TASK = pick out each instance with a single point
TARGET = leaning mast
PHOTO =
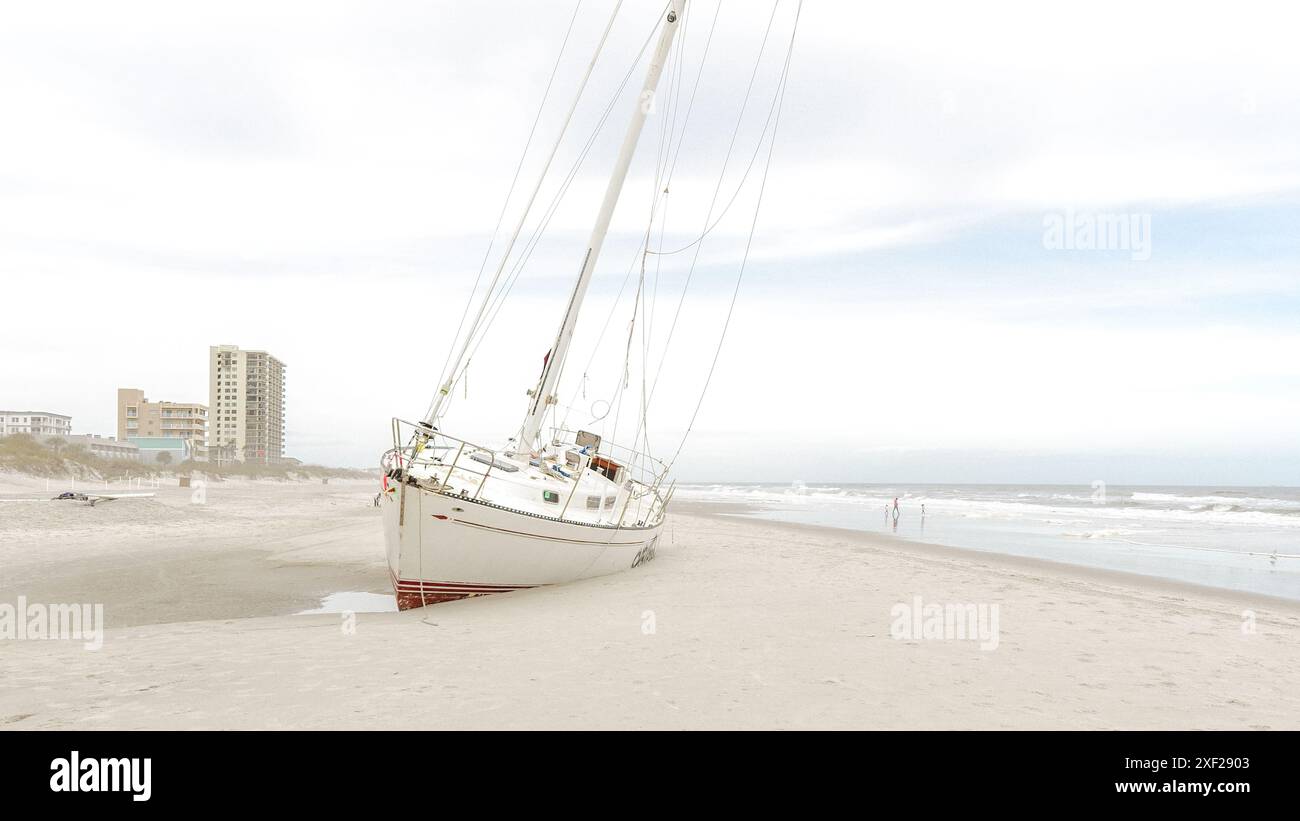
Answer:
(543, 395)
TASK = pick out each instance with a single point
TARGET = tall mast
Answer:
(543, 396)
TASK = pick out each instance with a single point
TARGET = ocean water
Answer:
(1239, 538)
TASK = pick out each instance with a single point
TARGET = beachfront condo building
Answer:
(37, 423)
(246, 393)
(139, 418)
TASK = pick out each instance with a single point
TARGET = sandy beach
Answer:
(736, 624)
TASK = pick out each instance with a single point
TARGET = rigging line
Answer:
(662, 168)
(665, 122)
(639, 254)
(660, 191)
(758, 147)
(620, 391)
(445, 388)
(531, 245)
(642, 430)
(469, 301)
(663, 155)
(535, 237)
(666, 130)
(609, 318)
(604, 328)
(767, 167)
(553, 206)
(550, 413)
(665, 140)
(500, 302)
(631, 329)
(668, 182)
(672, 169)
(690, 273)
(661, 177)
(647, 315)
(620, 386)
(499, 299)
(690, 106)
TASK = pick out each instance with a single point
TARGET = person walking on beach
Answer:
(896, 508)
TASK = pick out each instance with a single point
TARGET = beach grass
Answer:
(54, 457)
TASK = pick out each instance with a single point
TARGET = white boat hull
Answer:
(442, 547)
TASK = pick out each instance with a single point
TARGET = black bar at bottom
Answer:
(211, 770)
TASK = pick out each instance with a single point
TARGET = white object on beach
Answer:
(92, 498)
(462, 519)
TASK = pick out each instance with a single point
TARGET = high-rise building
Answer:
(246, 394)
(37, 423)
(138, 418)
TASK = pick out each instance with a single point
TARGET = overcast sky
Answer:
(320, 180)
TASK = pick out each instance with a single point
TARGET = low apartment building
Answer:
(139, 418)
(37, 423)
(105, 447)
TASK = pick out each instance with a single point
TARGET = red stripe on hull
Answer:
(412, 593)
(410, 601)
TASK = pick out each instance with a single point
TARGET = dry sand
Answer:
(736, 624)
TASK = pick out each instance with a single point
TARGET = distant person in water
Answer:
(895, 508)
(922, 511)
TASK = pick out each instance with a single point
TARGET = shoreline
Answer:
(1203, 535)
(740, 511)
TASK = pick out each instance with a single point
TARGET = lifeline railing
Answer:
(425, 446)
(418, 444)
(638, 466)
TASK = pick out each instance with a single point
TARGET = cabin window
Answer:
(593, 502)
(550, 496)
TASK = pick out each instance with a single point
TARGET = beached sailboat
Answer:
(552, 505)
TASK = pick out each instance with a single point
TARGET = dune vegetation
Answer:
(53, 456)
